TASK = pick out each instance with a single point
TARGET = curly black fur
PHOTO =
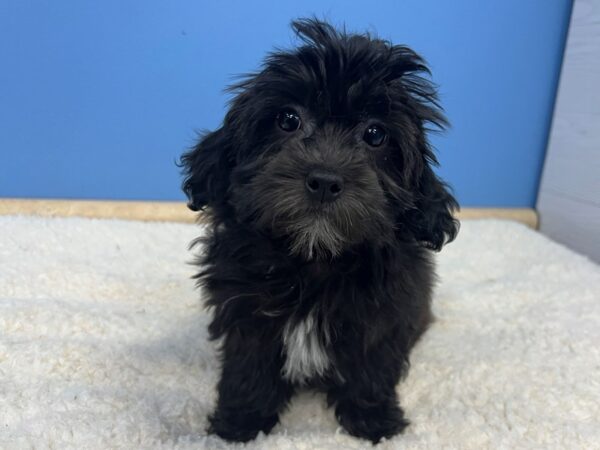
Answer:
(354, 276)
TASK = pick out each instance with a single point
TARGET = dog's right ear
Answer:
(206, 170)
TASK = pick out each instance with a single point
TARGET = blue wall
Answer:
(98, 98)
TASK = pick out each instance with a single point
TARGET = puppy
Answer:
(323, 210)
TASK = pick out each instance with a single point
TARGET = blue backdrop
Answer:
(98, 98)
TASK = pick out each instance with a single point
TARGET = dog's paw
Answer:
(238, 426)
(373, 423)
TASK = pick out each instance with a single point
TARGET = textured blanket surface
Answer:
(103, 344)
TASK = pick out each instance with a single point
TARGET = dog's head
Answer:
(326, 148)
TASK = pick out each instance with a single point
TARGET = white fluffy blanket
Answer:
(103, 345)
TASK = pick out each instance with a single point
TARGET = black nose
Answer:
(324, 185)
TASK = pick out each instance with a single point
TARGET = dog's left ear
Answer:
(432, 220)
(206, 169)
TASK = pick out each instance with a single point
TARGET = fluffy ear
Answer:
(206, 169)
(432, 221)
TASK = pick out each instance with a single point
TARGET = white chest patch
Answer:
(305, 354)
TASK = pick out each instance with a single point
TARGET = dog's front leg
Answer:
(251, 391)
(365, 399)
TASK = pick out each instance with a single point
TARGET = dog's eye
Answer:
(288, 120)
(374, 135)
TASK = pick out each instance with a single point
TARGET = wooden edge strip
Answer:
(178, 212)
(526, 216)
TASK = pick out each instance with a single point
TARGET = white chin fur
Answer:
(316, 238)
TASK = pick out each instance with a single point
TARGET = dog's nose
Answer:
(324, 185)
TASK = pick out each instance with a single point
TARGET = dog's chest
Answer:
(304, 346)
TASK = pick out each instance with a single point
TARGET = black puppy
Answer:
(324, 211)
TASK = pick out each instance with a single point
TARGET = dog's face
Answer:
(326, 148)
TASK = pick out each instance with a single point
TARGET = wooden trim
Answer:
(102, 209)
(178, 212)
(526, 216)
